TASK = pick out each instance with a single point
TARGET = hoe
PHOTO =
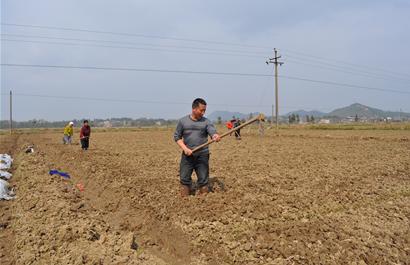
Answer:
(260, 117)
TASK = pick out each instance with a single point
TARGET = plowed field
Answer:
(296, 197)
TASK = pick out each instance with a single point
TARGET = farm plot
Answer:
(296, 197)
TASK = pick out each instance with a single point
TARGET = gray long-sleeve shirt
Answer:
(194, 133)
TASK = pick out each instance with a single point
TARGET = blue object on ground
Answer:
(60, 173)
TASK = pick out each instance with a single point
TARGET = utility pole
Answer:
(11, 112)
(274, 60)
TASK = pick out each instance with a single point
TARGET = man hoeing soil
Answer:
(192, 131)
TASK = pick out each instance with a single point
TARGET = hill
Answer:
(366, 111)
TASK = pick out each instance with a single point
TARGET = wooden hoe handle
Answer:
(260, 117)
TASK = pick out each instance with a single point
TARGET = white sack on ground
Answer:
(5, 175)
(5, 161)
(5, 192)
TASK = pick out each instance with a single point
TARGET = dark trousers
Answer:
(199, 163)
(85, 142)
(238, 133)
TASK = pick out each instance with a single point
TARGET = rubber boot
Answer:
(185, 190)
(203, 190)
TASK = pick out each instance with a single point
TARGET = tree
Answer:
(297, 119)
(219, 120)
(356, 118)
(292, 118)
(250, 115)
(307, 118)
(312, 119)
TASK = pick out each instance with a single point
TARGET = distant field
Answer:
(365, 126)
(349, 126)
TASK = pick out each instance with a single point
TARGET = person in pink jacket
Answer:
(85, 133)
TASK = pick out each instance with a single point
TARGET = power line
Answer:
(145, 101)
(344, 84)
(131, 48)
(342, 70)
(203, 73)
(368, 73)
(334, 67)
(133, 43)
(199, 41)
(239, 54)
(354, 65)
(134, 69)
(131, 35)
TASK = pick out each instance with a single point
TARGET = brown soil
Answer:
(297, 197)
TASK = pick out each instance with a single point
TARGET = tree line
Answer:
(294, 118)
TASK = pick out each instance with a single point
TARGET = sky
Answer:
(335, 53)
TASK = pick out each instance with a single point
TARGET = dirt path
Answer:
(304, 197)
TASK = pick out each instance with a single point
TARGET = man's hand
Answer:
(187, 152)
(185, 149)
(216, 137)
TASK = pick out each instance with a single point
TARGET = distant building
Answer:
(107, 124)
(324, 121)
(348, 119)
